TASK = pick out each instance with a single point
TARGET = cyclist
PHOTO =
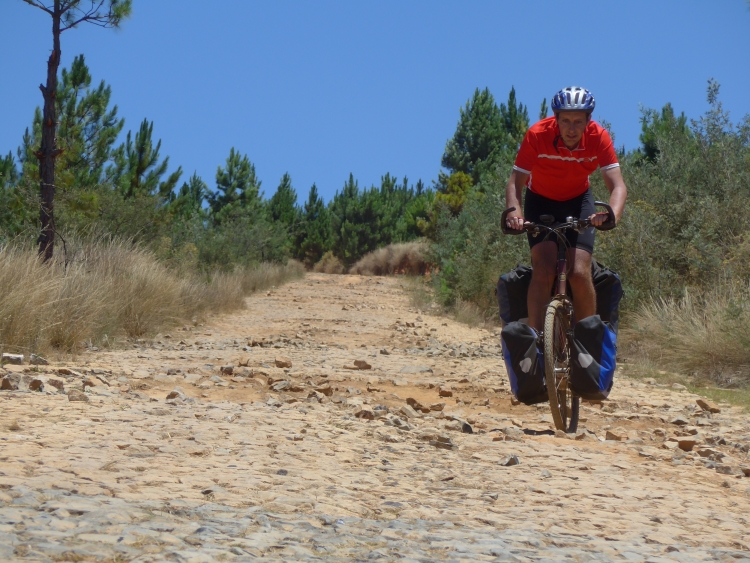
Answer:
(554, 162)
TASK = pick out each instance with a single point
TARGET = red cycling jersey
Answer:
(557, 172)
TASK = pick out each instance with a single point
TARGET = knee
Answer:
(580, 274)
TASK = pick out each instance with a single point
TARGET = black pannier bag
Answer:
(593, 358)
(609, 292)
(511, 292)
(524, 363)
(513, 287)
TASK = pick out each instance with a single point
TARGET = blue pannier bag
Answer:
(593, 358)
(524, 363)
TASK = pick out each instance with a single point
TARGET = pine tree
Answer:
(14, 211)
(65, 14)
(137, 171)
(87, 130)
(515, 118)
(282, 205)
(189, 200)
(655, 125)
(8, 171)
(314, 236)
(237, 186)
(543, 109)
(479, 139)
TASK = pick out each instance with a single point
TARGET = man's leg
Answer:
(581, 284)
(544, 264)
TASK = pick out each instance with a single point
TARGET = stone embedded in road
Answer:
(409, 412)
(36, 384)
(90, 382)
(686, 444)
(513, 433)
(416, 369)
(76, 395)
(445, 392)
(11, 382)
(365, 412)
(412, 402)
(509, 461)
(282, 362)
(56, 383)
(176, 393)
(680, 421)
(443, 442)
(281, 385)
(325, 389)
(617, 435)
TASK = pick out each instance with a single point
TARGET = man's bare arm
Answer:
(513, 194)
(618, 193)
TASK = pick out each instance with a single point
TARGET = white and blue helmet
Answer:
(573, 98)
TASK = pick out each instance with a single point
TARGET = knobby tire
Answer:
(563, 404)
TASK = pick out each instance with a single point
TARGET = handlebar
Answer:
(608, 225)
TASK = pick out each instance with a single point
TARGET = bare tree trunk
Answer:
(48, 152)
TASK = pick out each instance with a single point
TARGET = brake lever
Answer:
(611, 221)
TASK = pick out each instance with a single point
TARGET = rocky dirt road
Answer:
(390, 434)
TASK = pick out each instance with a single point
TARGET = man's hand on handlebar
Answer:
(598, 219)
(515, 221)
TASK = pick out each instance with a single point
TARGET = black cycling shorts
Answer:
(580, 207)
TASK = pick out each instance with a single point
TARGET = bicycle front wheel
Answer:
(563, 404)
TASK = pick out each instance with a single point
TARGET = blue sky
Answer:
(322, 89)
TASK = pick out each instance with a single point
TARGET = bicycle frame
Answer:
(562, 267)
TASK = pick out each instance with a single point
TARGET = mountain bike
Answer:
(559, 316)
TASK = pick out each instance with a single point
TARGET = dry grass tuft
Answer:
(401, 258)
(329, 264)
(707, 337)
(109, 289)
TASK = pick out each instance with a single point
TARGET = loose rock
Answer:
(445, 392)
(75, 395)
(509, 460)
(15, 359)
(707, 405)
(282, 362)
(35, 360)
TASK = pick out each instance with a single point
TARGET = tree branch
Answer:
(92, 16)
(37, 5)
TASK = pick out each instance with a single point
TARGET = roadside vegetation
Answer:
(109, 290)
